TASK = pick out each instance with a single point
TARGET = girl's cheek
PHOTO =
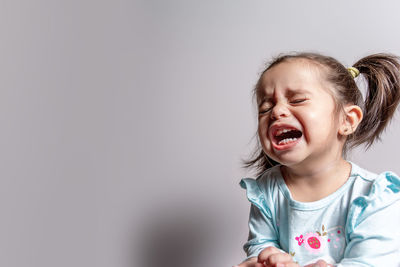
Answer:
(262, 131)
(262, 124)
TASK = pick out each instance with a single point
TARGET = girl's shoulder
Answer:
(264, 183)
(375, 184)
(260, 191)
(373, 193)
(361, 173)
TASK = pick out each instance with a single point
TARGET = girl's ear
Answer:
(351, 119)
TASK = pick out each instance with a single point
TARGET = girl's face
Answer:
(297, 118)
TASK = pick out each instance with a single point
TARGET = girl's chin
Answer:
(287, 159)
(288, 162)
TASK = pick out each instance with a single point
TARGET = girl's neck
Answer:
(307, 185)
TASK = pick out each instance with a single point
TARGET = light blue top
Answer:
(358, 225)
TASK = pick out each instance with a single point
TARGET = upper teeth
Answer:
(281, 131)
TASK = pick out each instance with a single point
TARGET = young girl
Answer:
(309, 206)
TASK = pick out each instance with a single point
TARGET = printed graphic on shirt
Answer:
(316, 243)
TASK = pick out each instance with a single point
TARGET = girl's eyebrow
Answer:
(291, 92)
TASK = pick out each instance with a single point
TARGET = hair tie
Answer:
(353, 71)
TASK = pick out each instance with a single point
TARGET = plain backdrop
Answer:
(123, 123)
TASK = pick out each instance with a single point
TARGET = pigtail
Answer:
(382, 72)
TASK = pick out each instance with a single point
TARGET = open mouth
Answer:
(283, 136)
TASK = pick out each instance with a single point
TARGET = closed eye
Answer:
(264, 111)
(298, 100)
(265, 107)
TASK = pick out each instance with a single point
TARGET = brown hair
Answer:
(382, 73)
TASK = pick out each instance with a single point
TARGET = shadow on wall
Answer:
(175, 238)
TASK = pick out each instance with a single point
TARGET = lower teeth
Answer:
(287, 140)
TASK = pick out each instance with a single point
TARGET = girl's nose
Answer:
(279, 111)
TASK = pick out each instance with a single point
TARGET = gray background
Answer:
(123, 123)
